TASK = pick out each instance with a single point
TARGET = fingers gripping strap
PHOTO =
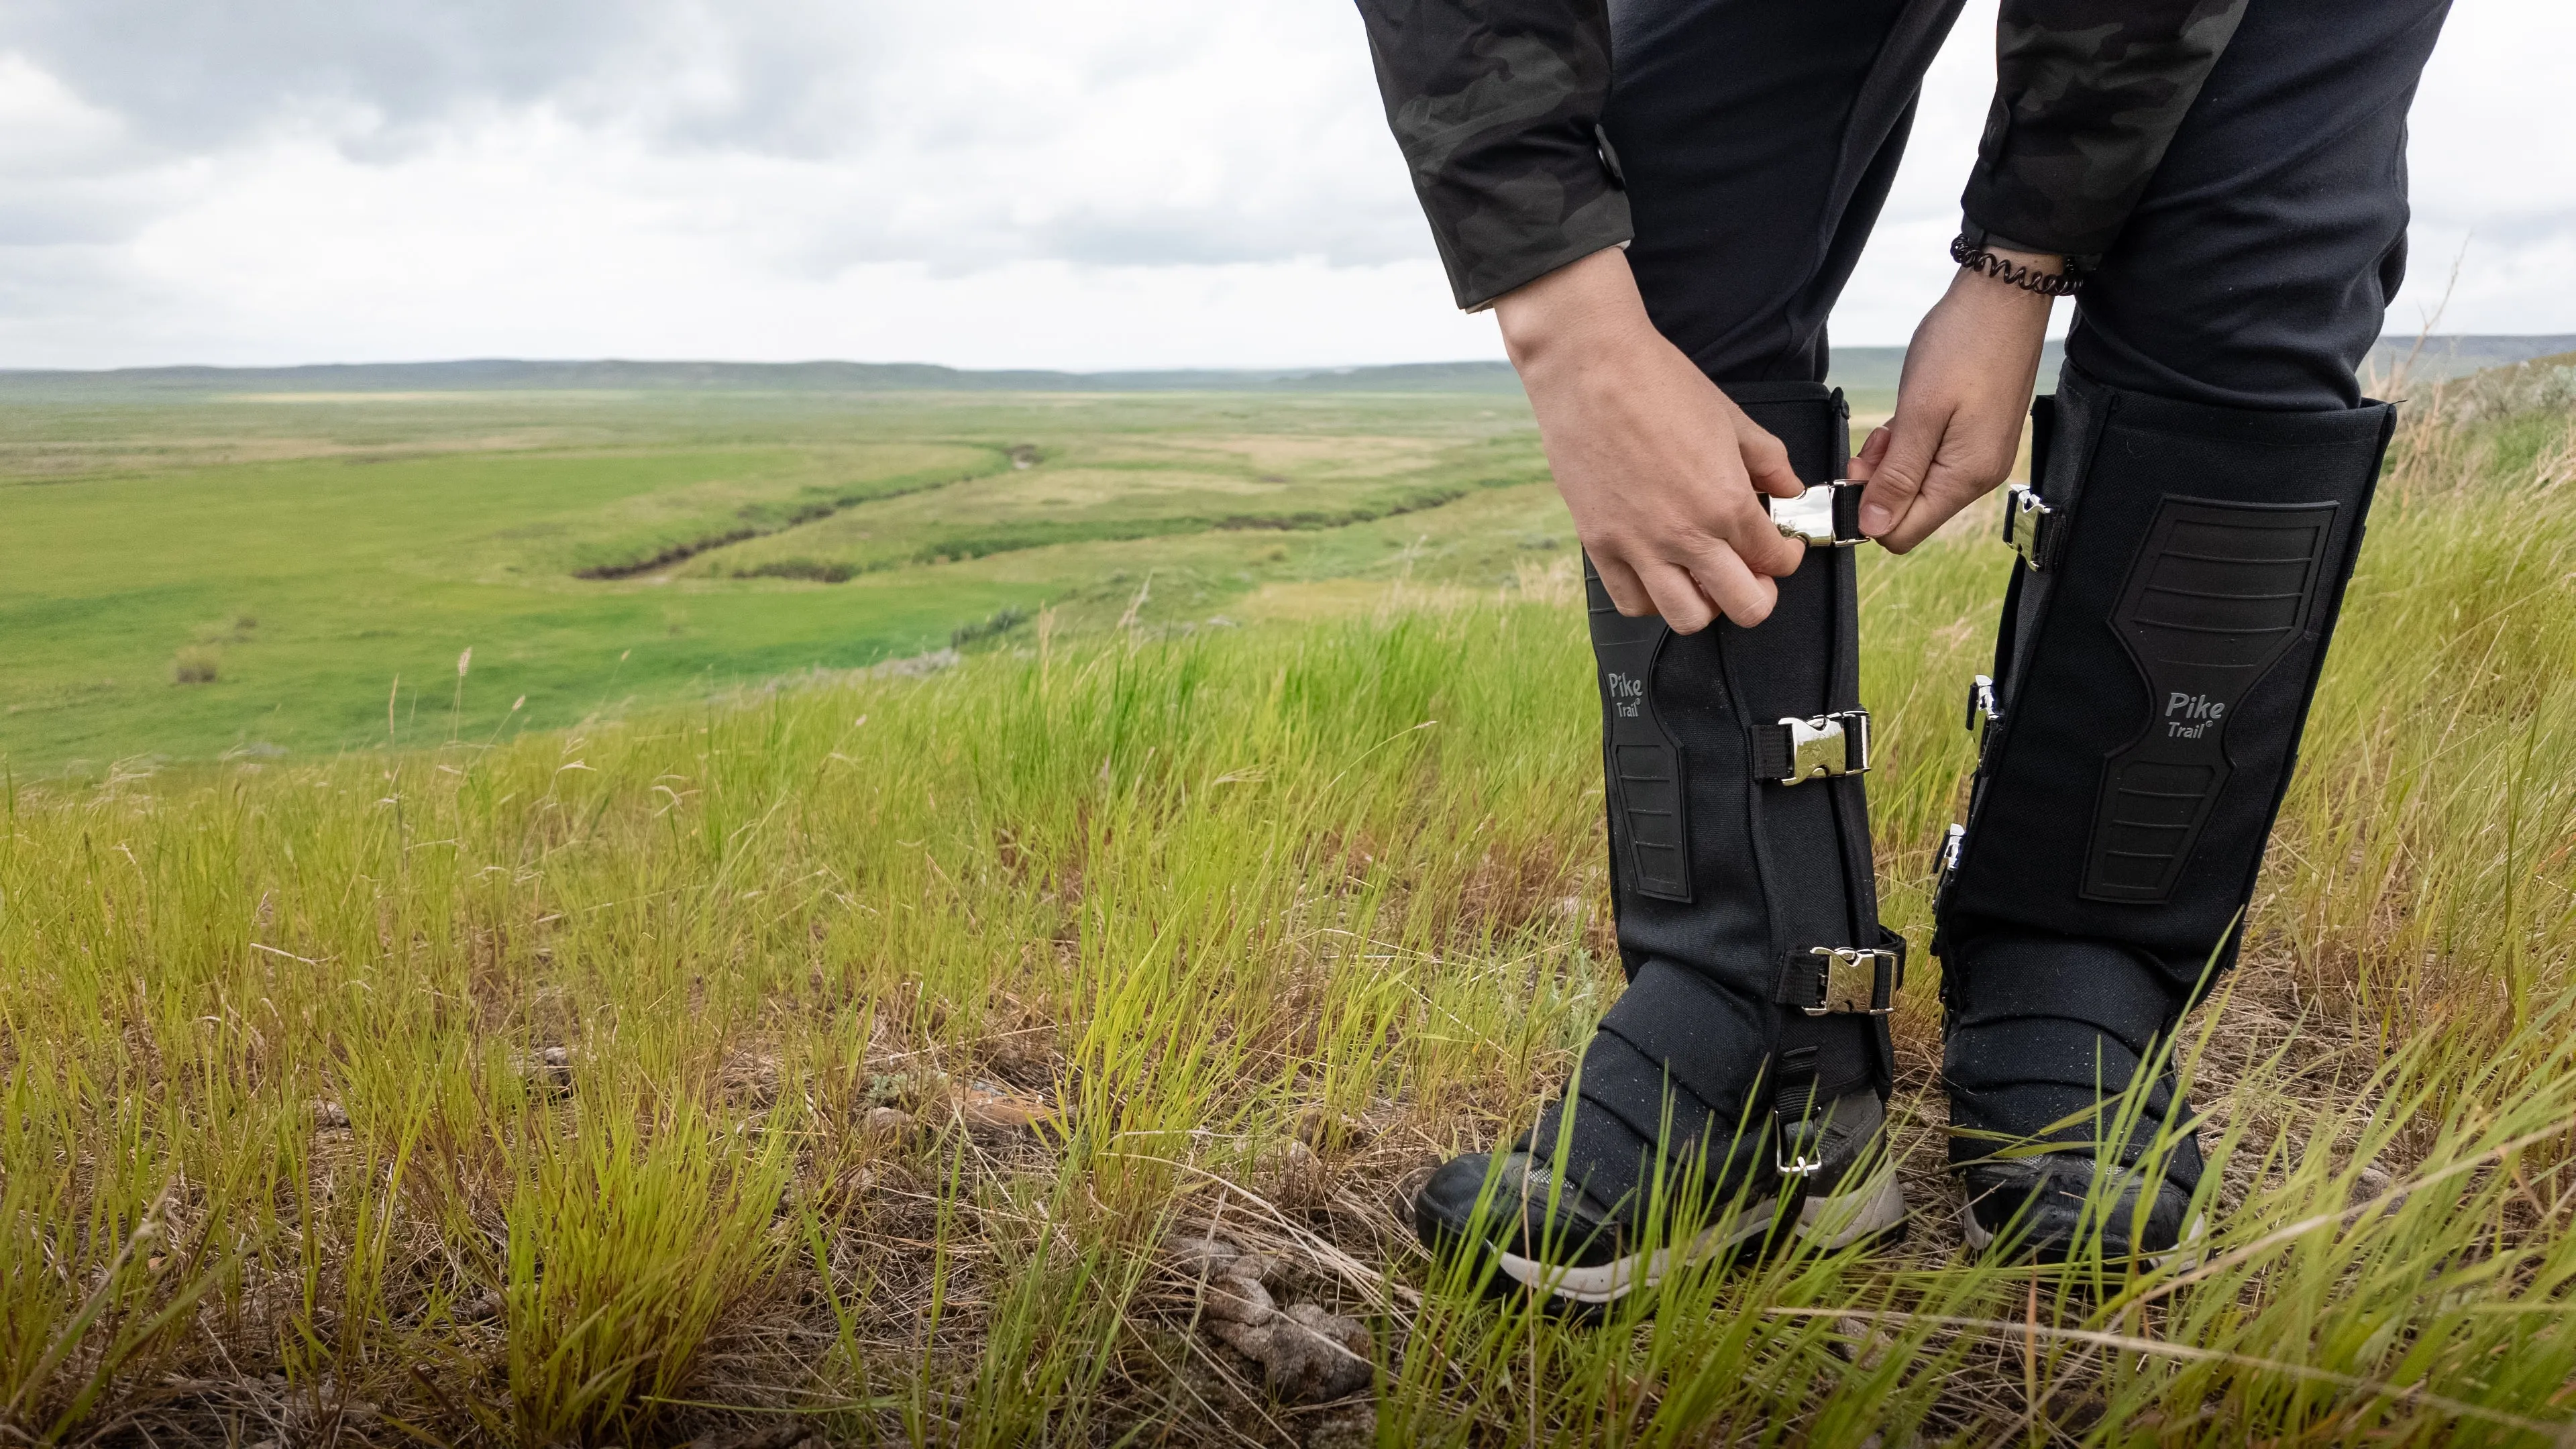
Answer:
(2218, 595)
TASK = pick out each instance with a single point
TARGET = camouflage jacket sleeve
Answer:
(1496, 105)
(2088, 94)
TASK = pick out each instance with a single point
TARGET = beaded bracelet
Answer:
(2015, 274)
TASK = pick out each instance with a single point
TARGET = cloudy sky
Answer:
(1097, 184)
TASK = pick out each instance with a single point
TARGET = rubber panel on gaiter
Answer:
(1645, 766)
(2218, 595)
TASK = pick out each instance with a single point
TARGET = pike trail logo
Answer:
(1627, 694)
(2189, 716)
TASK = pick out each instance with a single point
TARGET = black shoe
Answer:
(2181, 569)
(2049, 1209)
(1565, 1244)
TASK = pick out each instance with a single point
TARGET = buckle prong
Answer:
(1983, 710)
(1798, 1141)
(2026, 524)
(1794, 1161)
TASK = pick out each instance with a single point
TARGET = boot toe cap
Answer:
(2055, 1208)
(1505, 1202)
(1445, 1209)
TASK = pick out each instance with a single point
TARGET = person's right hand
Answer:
(1657, 466)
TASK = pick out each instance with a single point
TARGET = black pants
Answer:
(1759, 138)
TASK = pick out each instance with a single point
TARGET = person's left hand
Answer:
(1959, 407)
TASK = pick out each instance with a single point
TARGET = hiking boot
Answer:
(1584, 1253)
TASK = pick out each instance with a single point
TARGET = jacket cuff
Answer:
(1979, 235)
(1507, 269)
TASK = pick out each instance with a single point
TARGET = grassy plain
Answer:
(599, 551)
(536, 1090)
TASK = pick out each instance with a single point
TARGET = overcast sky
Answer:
(1096, 184)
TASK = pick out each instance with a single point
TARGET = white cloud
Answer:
(1015, 183)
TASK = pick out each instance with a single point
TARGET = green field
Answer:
(850, 1058)
(327, 558)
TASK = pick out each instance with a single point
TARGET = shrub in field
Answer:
(196, 664)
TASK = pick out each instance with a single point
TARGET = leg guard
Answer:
(1749, 1055)
(2181, 568)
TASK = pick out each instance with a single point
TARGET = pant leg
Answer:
(1758, 139)
(2258, 266)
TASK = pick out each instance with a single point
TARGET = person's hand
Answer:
(1959, 407)
(1657, 466)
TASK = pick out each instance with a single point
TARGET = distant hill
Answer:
(513, 375)
(1866, 371)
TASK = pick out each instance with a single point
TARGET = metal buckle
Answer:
(1806, 1128)
(2026, 525)
(1954, 842)
(1982, 709)
(1794, 1162)
(1852, 979)
(1809, 517)
(1827, 745)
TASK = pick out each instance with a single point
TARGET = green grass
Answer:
(1207, 893)
(185, 577)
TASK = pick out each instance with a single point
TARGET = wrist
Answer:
(1578, 307)
(2045, 275)
(1993, 295)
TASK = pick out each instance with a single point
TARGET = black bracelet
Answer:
(2015, 274)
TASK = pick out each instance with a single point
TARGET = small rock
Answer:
(1326, 1130)
(1860, 1343)
(999, 1108)
(892, 1123)
(1024, 1060)
(2372, 1183)
(329, 1116)
(1292, 1176)
(1238, 1300)
(322, 1410)
(549, 1070)
(2074, 1410)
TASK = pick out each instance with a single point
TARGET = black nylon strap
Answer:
(1771, 752)
(1847, 515)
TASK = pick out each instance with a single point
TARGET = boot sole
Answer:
(1874, 1214)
